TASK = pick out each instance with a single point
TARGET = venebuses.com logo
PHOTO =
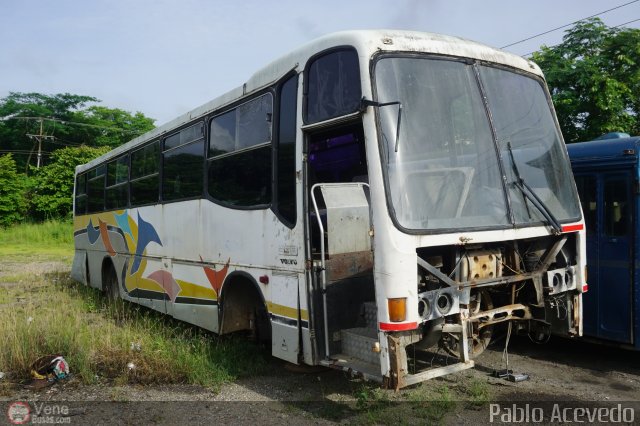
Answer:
(19, 413)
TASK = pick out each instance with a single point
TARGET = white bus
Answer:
(356, 202)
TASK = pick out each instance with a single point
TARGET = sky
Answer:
(167, 57)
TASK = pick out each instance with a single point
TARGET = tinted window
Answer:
(239, 172)
(81, 184)
(145, 161)
(246, 126)
(145, 191)
(95, 188)
(187, 135)
(81, 204)
(81, 191)
(243, 179)
(617, 213)
(286, 179)
(588, 199)
(117, 197)
(333, 86)
(117, 192)
(118, 171)
(182, 171)
(223, 134)
(254, 122)
(145, 179)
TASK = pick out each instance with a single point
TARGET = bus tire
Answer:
(110, 283)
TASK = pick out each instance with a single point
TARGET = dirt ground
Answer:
(561, 370)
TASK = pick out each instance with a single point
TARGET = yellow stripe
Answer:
(195, 290)
(146, 284)
(81, 222)
(287, 311)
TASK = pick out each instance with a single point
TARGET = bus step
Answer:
(355, 366)
(361, 343)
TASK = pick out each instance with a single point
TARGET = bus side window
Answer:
(117, 192)
(333, 86)
(95, 187)
(182, 161)
(81, 194)
(145, 182)
(588, 198)
(286, 150)
(240, 163)
(616, 207)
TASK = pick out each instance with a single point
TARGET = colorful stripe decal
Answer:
(401, 326)
(287, 311)
(105, 238)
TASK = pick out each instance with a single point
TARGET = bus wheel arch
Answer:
(87, 271)
(242, 307)
(110, 285)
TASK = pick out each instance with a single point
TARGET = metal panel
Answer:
(348, 221)
(285, 316)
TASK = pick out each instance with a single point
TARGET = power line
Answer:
(75, 123)
(566, 25)
(615, 26)
(20, 151)
(39, 138)
(626, 23)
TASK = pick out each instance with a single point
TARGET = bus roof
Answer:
(603, 151)
(366, 42)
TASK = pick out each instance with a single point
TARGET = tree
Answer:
(12, 200)
(52, 185)
(594, 79)
(72, 120)
(125, 125)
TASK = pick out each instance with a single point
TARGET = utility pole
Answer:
(40, 137)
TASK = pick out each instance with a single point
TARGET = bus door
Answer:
(607, 204)
(339, 236)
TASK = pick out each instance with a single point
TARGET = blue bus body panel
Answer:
(612, 305)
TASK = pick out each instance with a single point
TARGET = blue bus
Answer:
(607, 174)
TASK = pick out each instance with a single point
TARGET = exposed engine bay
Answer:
(531, 282)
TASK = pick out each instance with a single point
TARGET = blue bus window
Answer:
(616, 207)
(588, 198)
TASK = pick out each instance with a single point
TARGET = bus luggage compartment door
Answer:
(285, 316)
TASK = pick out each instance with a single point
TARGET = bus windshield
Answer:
(465, 126)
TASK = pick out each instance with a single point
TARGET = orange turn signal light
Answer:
(397, 309)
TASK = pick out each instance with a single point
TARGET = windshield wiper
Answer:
(528, 193)
(364, 103)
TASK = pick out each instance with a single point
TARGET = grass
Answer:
(43, 314)
(101, 341)
(53, 238)
(429, 402)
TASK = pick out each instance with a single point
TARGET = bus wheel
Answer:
(480, 338)
(110, 284)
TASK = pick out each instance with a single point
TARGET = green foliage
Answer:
(77, 132)
(12, 201)
(49, 239)
(50, 232)
(52, 185)
(594, 79)
(130, 125)
(70, 119)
